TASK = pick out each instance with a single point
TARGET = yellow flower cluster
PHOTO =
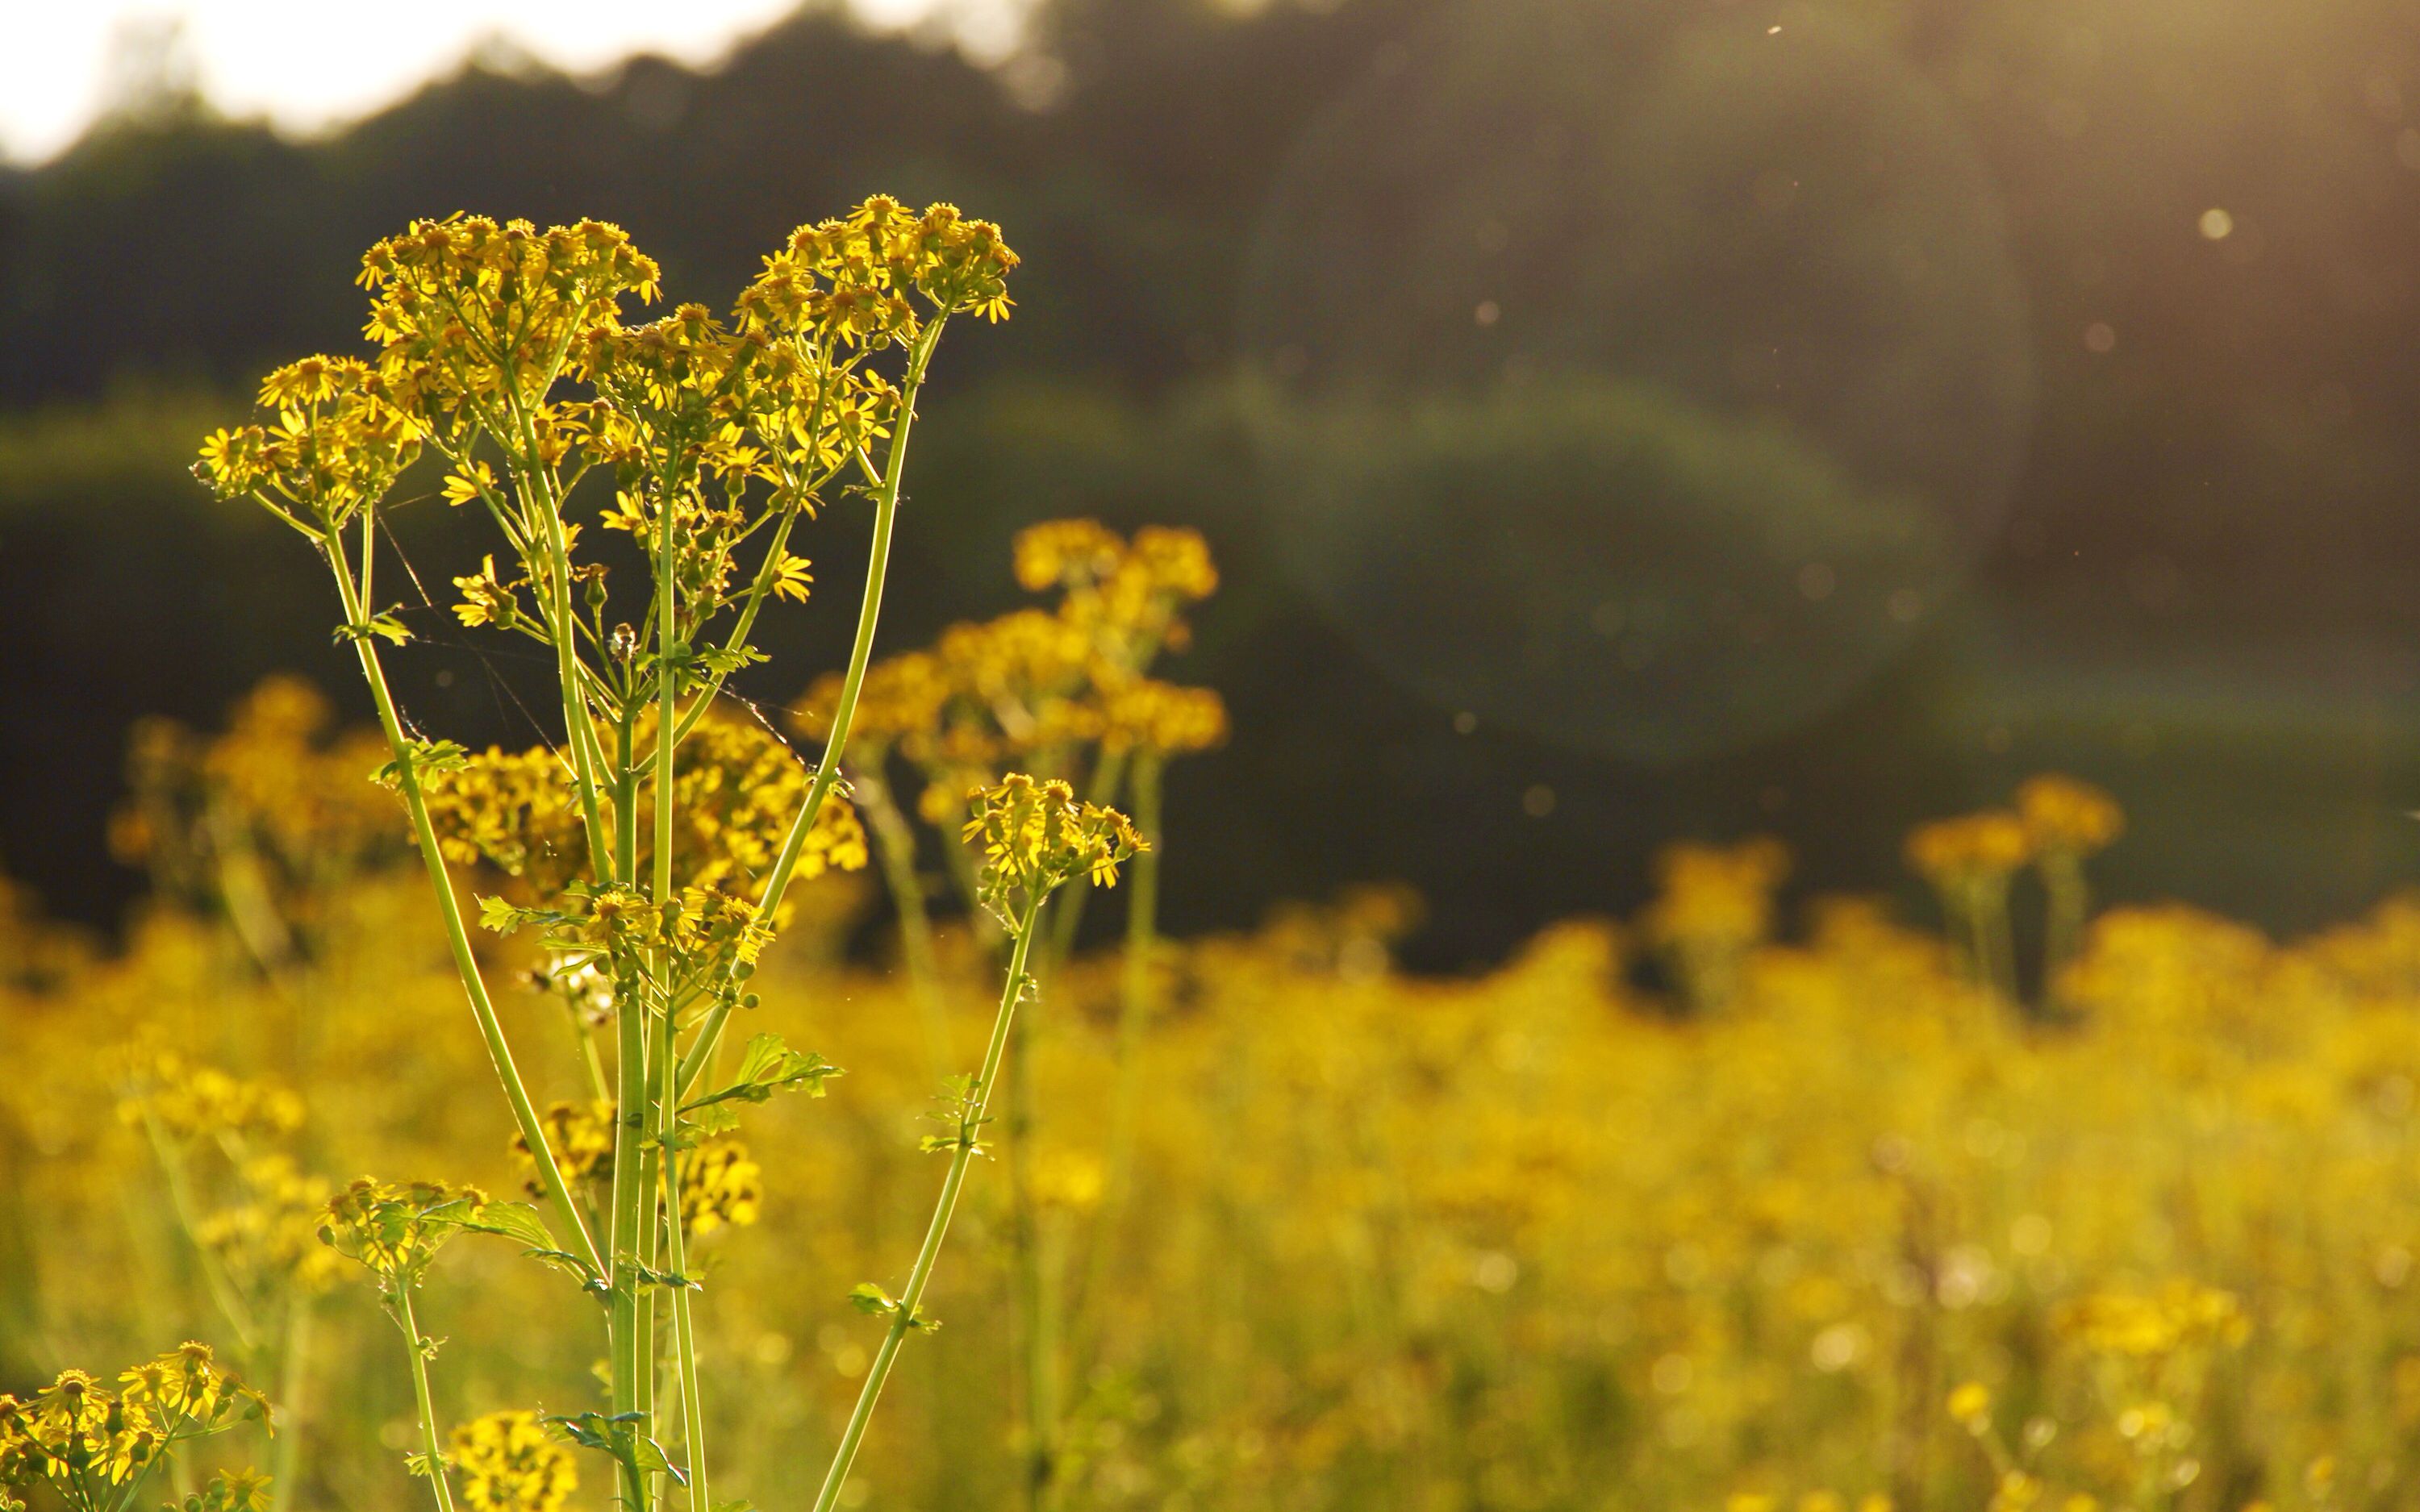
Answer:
(196, 1102)
(2179, 1314)
(1713, 904)
(510, 1463)
(395, 1230)
(1144, 714)
(264, 821)
(2062, 813)
(735, 792)
(84, 1441)
(1056, 691)
(1985, 848)
(2057, 823)
(847, 281)
(268, 1240)
(1035, 836)
(582, 1136)
(341, 437)
(469, 311)
(720, 1184)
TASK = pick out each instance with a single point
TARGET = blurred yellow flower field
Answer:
(1729, 1205)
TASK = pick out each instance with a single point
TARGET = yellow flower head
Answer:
(510, 1463)
(1970, 1406)
(582, 1136)
(2179, 1314)
(341, 436)
(1161, 718)
(2062, 813)
(395, 1229)
(467, 311)
(1978, 847)
(1035, 836)
(1716, 895)
(720, 1184)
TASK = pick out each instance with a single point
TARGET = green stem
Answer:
(894, 845)
(630, 1123)
(658, 1102)
(458, 938)
(747, 622)
(2070, 901)
(587, 755)
(904, 1317)
(1037, 1315)
(861, 651)
(683, 1326)
(667, 691)
(181, 1198)
(293, 1378)
(626, 794)
(1134, 1016)
(420, 1392)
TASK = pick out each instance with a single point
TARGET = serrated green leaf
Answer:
(768, 1065)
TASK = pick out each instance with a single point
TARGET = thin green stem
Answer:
(860, 652)
(2070, 905)
(1040, 1305)
(541, 499)
(626, 793)
(668, 691)
(904, 1316)
(894, 845)
(458, 938)
(1037, 1308)
(1134, 1017)
(587, 755)
(419, 1349)
(231, 1303)
(293, 1378)
(646, 1173)
(630, 1123)
(747, 622)
(684, 1325)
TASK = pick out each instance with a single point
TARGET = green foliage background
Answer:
(2194, 591)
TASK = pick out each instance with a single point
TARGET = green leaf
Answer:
(417, 1464)
(500, 916)
(617, 1437)
(767, 1066)
(669, 1280)
(386, 627)
(562, 1260)
(724, 660)
(426, 756)
(871, 1299)
(513, 1220)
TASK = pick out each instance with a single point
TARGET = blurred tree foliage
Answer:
(2198, 588)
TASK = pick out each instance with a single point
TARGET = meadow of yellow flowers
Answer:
(1814, 1218)
(1727, 1205)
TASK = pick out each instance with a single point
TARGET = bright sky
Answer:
(307, 63)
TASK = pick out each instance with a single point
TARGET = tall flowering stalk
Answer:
(503, 350)
(1064, 693)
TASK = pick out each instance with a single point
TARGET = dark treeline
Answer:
(2153, 275)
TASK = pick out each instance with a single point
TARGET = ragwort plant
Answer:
(503, 350)
(1066, 692)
